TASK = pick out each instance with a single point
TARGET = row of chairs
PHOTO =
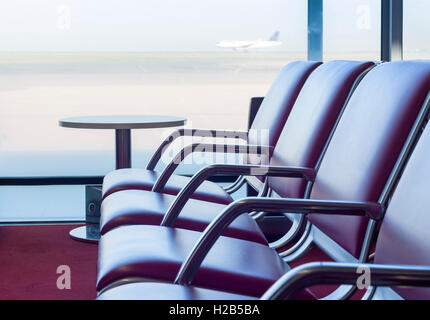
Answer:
(345, 161)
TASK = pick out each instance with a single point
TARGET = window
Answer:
(416, 29)
(72, 58)
(351, 29)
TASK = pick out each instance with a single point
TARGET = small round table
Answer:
(122, 124)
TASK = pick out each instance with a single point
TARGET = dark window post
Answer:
(391, 30)
(315, 30)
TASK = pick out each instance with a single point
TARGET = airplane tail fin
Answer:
(275, 36)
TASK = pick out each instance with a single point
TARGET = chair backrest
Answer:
(404, 237)
(277, 105)
(312, 120)
(366, 144)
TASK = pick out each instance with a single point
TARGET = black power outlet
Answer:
(93, 200)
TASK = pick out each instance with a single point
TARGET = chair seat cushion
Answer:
(156, 253)
(142, 179)
(134, 207)
(166, 291)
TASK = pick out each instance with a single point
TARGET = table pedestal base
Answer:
(88, 233)
(123, 148)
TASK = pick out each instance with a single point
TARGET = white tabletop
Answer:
(122, 122)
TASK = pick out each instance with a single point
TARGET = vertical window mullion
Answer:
(391, 30)
(315, 30)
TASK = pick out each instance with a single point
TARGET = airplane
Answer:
(251, 44)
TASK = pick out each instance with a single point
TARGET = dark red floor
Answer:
(30, 256)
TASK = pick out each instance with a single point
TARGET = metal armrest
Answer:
(204, 147)
(228, 169)
(304, 206)
(316, 273)
(192, 133)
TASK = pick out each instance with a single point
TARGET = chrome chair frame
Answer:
(300, 206)
(204, 133)
(226, 169)
(189, 267)
(161, 181)
(382, 276)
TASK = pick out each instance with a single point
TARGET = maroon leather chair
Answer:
(378, 128)
(271, 116)
(402, 256)
(300, 144)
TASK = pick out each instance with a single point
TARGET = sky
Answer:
(192, 25)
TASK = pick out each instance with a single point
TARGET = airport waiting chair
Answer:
(401, 268)
(357, 174)
(270, 119)
(301, 142)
